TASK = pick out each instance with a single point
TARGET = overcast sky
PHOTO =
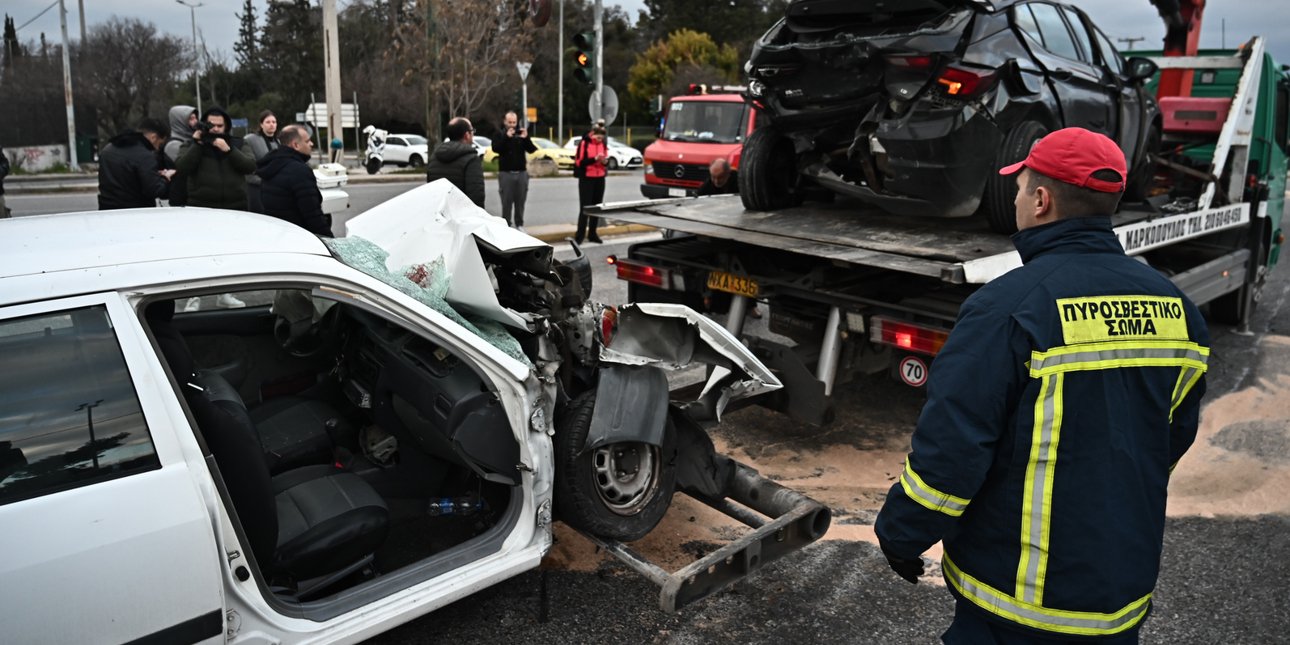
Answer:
(217, 19)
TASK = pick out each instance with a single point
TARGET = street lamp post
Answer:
(89, 420)
(197, 56)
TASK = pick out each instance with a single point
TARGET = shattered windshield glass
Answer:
(428, 284)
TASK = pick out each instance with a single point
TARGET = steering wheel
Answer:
(302, 337)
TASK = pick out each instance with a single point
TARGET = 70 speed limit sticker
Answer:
(913, 371)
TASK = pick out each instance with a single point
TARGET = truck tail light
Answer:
(907, 336)
(640, 273)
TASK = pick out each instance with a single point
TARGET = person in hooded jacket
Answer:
(259, 144)
(215, 166)
(288, 189)
(183, 119)
(129, 174)
(457, 161)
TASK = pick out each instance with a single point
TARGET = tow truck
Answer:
(854, 291)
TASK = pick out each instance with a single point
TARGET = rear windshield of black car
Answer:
(706, 122)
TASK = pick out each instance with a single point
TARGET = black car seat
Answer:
(292, 431)
(302, 524)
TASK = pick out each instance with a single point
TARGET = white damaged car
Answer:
(391, 423)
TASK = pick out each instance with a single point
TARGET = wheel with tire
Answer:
(998, 202)
(416, 161)
(768, 177)
(1139, 180)
(619, 491)
(611, 163)
(373, 166)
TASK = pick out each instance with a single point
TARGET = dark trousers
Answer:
(591, 191)
(971, 628)
(513, 186)
(253, 198)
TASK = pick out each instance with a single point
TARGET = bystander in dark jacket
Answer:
(258, 145)
(4, 172)
(288, 188)
(457, 161)
(721, 180)
(215, 166)
(129, 172)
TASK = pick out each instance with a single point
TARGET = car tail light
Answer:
(910, 62)
(960, 82)
(640, 273)
(906, 335)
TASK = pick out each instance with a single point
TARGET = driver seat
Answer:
(292, 431)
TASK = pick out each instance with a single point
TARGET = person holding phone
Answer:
(512, 149)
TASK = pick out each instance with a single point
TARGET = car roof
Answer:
(70, 241)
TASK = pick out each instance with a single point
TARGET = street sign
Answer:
(316, 113)
(913, 371)
(532, 115)
(524, 70)
(609, 111)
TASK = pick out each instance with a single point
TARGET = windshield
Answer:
(544, 143)
(706, 122)
(414, 140)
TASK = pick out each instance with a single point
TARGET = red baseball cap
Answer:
(1072, 155)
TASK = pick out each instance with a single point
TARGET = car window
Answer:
(416, 141)
(1081, 35)
(1057, 38)
(69, 415)
(1110, 57)
(395, 141)
(1025, 21)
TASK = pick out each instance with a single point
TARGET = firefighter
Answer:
(1066, 393)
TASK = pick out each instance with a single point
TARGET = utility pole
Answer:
(67, 90)
(432, 49)
(82, 3)
(600, 58)
(197, 56)
(331, 58)
(89, 420)
(559, 102)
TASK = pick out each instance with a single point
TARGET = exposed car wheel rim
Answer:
(612, 164)
(415, 161)
(626, 476)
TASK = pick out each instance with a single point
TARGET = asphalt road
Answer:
(551, 200)
(1223, 579)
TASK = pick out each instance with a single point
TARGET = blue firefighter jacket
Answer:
(1066, 393)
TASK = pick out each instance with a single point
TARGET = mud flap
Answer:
(783, 521)
(631, 406)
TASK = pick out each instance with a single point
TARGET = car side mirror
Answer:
(1141, 69)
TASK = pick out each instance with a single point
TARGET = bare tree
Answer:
(474, 48)
(128, 70)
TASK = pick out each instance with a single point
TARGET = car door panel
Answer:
(1077, 84)
(127, 539)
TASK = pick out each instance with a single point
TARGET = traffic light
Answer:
(584, 58)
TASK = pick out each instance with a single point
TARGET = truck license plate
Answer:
(676, 192)
(731, 283)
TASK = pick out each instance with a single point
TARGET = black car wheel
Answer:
(611, 164)
(1140, 177)
(373, 165)
(618, 491)
(1001, 192)
(416, 161)
(768, 177)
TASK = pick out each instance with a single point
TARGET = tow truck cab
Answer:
(697, 129)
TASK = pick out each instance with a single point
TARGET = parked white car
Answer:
(406, 150)
(371, 434)
(621, 155)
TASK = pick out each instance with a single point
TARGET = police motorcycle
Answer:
(375, 156)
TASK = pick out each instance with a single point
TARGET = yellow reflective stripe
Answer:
(1100, 356)
(1075, 623)
(929, 497)
(1187, 379)
(1036, 507)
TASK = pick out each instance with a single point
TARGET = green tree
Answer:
(730, 22)
(291, 48)
(247, 47)
(685, 57)
(12, 48)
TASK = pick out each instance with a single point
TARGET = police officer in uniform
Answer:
(1065, 395)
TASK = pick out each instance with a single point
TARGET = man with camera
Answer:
(512, 151)
(215, 166)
